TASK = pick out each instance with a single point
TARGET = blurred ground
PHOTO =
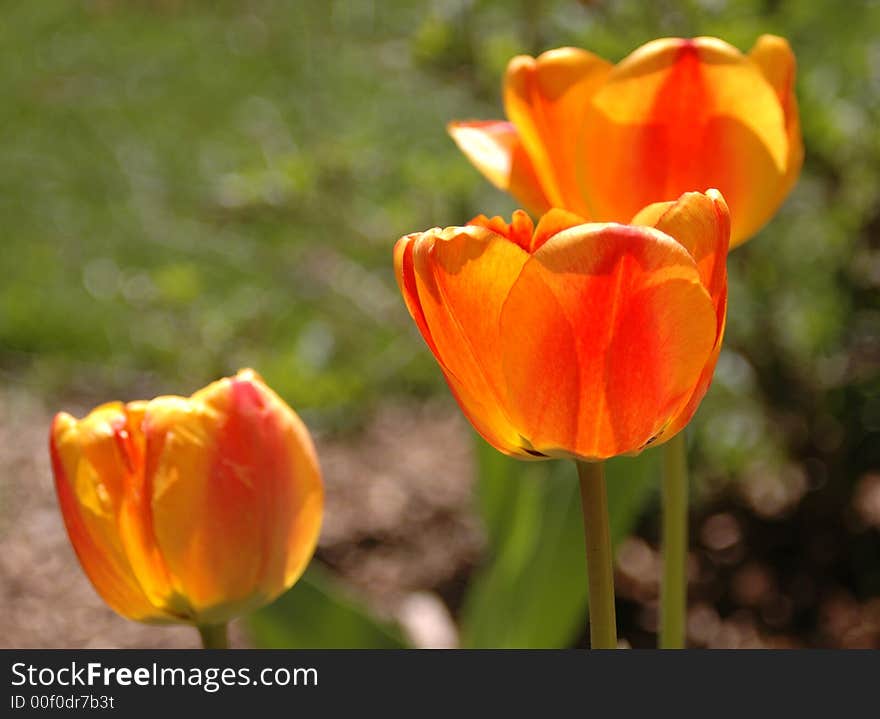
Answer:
(401, 531)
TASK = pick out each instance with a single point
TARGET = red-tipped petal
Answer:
(603, 337)
(235, 492)
(680, 115)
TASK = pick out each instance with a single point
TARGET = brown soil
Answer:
(400, 529)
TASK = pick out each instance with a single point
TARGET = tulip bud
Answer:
(190, 509)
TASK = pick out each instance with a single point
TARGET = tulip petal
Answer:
(135, 524)
(495, 149)
(520, 229)
(701, 223)
(404, 271)
(687, 411)
(545, 98)
(471, 396)
(263, 433)
(91, 472)
(552, 223)
(603, 336)
(462, 275)
(773, 56)
(679, 115)
(236, 494)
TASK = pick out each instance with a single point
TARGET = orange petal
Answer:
(263, 433)
(603, 338)
(495, 150)
(471, 396)
(91, 473)
(701, 223)
(686, 413)
(462, 276)
(679, 115)
(236, 494)
(545, 98)
(404, 271)
(773, 56)
(520, 229)
(552, 223)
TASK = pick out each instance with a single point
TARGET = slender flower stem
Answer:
(213, 636)
(600, 560)
(673, 589)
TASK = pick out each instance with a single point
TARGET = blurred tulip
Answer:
(190, 509)
(571, 339)
(676, 115)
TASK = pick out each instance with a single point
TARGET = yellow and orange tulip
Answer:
(190, 509)
(570, 339)
(676, 115)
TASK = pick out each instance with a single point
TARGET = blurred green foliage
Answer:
(192, 187)
(228, 177)
(532, 592)
(318, 614)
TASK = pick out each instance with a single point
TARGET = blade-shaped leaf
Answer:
(533, 591)
(318, 614)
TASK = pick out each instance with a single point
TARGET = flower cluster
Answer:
(591, 333)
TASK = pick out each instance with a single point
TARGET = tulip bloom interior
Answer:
(190, 509)
(574, 339)
(676, 115)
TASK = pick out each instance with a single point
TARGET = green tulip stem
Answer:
(673, 589)
(600, 558)
(214, 636)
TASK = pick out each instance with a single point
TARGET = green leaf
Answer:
(318, 614)
(533, 591)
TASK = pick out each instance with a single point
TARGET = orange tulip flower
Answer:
(571, 339)
(190, 509)
(605, 140)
